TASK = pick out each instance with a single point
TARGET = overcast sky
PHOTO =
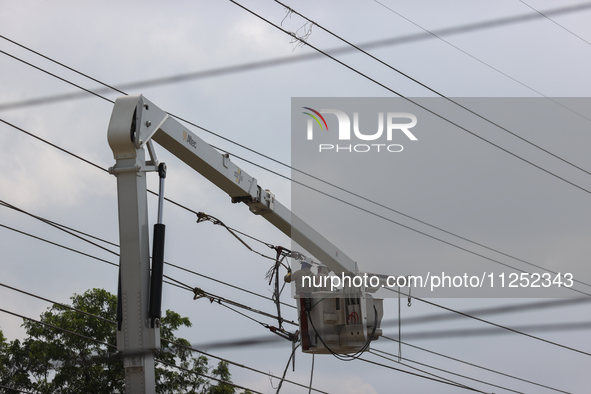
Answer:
(467, 187)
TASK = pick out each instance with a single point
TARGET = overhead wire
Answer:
(440, 380)
(495, 324)
(519, 308)
(71, 308)
(415, 298)
(472, 364)
(436, 92)
(439, 37)
(286, 367)
(556, 23)
(472, 27)
(488, 331)
(59, 226)
(164, 340)
(115, 347)
(223, 382)
(375, 353)
(345, 202)
(415, 102)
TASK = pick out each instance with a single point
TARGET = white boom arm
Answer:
(152, 123)
(134, 123)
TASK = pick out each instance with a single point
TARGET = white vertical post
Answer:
(136, 338)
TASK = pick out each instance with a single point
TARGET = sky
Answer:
(448, 179)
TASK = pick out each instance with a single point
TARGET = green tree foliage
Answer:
(53, 361)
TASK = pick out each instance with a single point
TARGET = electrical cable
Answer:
(286, 367)
(421, 232)
(438, 317)
(288, 59)
(422, 376)
(56, 76)
(472, 332)
(441, 370)
(60, 226)
(496, 325)
(556, 23)
(199, 293)
(376, 351)
(206, 376)
(346, 357)
(479, 60)
(311, 374)
(59, 245)
(389, 289)
(233, 363)
(115, 347)
(414, 102)
(373, 202)
(436, 92)
(201, 217)
(473, 365)
(314, 177)
(59, 328)
(242, 366)
(417, 298)
(230, 362)
(340, 200)
(164, 340)
(57, 303)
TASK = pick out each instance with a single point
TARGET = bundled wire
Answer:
(280, 331)
(348, 357)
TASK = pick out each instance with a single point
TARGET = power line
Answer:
(58, 245)
(414, 102)
(494, 324)
(468, 363)
(205, 376)
(388, 289)
(60, 329)
(115, 347)
(350, 204)
(30, 134)
(556, 23)
(56, 76)
(422, 232)
(392, 222)
(436, 92)
(473, 332)
(62, 227)
(165, 340)
(446, 381)
(438, 317)
(479, 60)
(437, 115)
(57, 303)
(440, 369)
(417, 298)
(507, 21)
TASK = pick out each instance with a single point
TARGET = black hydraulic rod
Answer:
(155, 309)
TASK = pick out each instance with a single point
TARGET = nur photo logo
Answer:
(393, 123)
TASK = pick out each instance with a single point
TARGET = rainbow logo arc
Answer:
(315, 118)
